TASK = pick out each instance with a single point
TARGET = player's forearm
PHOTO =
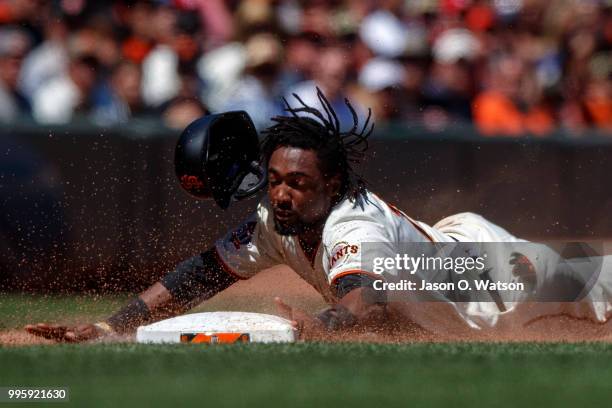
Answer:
(191, 282)
(355, 307)
(360, 304)
(153, 304)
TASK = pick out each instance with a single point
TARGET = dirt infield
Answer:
(257, 295)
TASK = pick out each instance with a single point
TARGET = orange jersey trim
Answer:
(419, 228)
(402, 214)
(355, 272)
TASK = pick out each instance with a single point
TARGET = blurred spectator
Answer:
(510, 67)
(300, 58)
(136, 18)
(383, 79)
(598, 102)
(331, 75)
(119, 99)
(106, 49)
(180, 112)
(257, 92)
(448, 91)
(58, 100)
(160, 77)
(511, 104)
(384, 34)
(252, 16)
(48, 60)
(14, 45)
(216, 20)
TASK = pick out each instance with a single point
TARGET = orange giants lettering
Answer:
(343, 249)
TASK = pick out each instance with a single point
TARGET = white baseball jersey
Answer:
(255, 245)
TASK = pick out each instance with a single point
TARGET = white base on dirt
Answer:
(218, 327)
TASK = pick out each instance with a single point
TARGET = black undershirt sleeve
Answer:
(132, 315)
(192, 281)
(339, 317)
(347, 283)
(198, 278)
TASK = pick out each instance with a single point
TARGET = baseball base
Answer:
(218, 327)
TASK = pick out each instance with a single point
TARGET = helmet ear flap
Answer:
(214, 156)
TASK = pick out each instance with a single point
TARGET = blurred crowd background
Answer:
(511, 67)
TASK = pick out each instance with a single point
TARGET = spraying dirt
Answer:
(257, 295)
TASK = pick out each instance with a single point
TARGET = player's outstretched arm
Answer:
(191, 282)
(156, 298)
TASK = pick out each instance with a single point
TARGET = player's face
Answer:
(300, 195)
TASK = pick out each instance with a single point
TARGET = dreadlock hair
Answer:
(337, 151)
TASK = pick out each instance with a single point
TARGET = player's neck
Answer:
(310, 245)
(311, 238)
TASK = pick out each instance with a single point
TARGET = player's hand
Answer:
(66, 334)
(521, 265)
(308, 327)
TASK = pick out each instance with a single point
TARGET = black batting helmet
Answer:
(214, 156)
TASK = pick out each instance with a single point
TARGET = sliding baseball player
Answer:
(317, 218)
